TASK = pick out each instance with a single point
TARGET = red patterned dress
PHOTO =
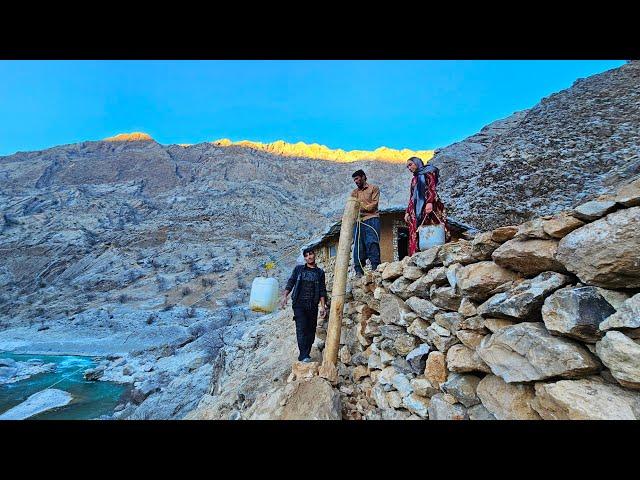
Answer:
(434, 217)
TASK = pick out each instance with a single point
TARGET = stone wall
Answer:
(535, 321)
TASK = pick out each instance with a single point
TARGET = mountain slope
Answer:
(572, 146)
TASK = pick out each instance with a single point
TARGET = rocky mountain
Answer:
(321, 152)
(144, 253)
(135, 221)
(572, 146)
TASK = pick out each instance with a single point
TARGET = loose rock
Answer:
(507, 401)
(576, 313)
(622, 356)
(585, 399)
(605, 253)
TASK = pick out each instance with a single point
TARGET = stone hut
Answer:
(394, 240)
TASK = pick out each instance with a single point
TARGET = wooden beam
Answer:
(328, 368)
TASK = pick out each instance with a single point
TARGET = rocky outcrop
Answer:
(316, 151)
(37, 403)
(310, 399)
(571, 147)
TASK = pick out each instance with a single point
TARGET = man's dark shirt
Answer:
(307, 285)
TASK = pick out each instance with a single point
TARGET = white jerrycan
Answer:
(264, 295)
(430, 236)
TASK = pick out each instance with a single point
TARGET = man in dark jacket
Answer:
(307, 284)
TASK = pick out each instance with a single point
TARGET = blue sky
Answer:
(347, 104)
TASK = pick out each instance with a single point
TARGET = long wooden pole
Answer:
(328, 368)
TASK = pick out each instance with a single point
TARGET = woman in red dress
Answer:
(425, 207)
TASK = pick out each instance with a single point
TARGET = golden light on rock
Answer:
(129, 137)
(314, 150)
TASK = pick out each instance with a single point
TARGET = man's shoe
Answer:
(306, 360)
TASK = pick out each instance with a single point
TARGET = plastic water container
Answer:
(430, 236)
(264, 295)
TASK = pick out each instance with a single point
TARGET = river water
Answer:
(91, 399)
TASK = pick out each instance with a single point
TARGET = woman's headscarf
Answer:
(421, 185)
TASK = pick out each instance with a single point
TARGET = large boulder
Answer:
(440, 337)
(622, 356)
(421, 287)
(524, 301)
(393, 310)
(436, 369)
(424, 308)
(495, 324)
(507, 401)
(533, 229)
(428, 258)
(527, 351)
(561, 225)
(585, 399)
(391, 331)
(411, 272)
(479, 412)
(457, 252)
(416, 404)
(629, 194)
(449, 320)
(446, 298)
(477, 280)
(461, 358)
(419, 328)
(311, 399)
(502, 234)
(530, 257)
(605, 252)
(469, 338)
(463, 388)
(300, 370)
(392, 271)
(615, 297)
(467, 308)
(405, 343)
(423, 387)
(576, 313)
(440, 409)
(594, 209)
(400, 287)
(482, 246)
(402, 384)
(417, 358)
(627, 316)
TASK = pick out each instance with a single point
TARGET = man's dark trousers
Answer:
(306, 317)
(367, 244)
